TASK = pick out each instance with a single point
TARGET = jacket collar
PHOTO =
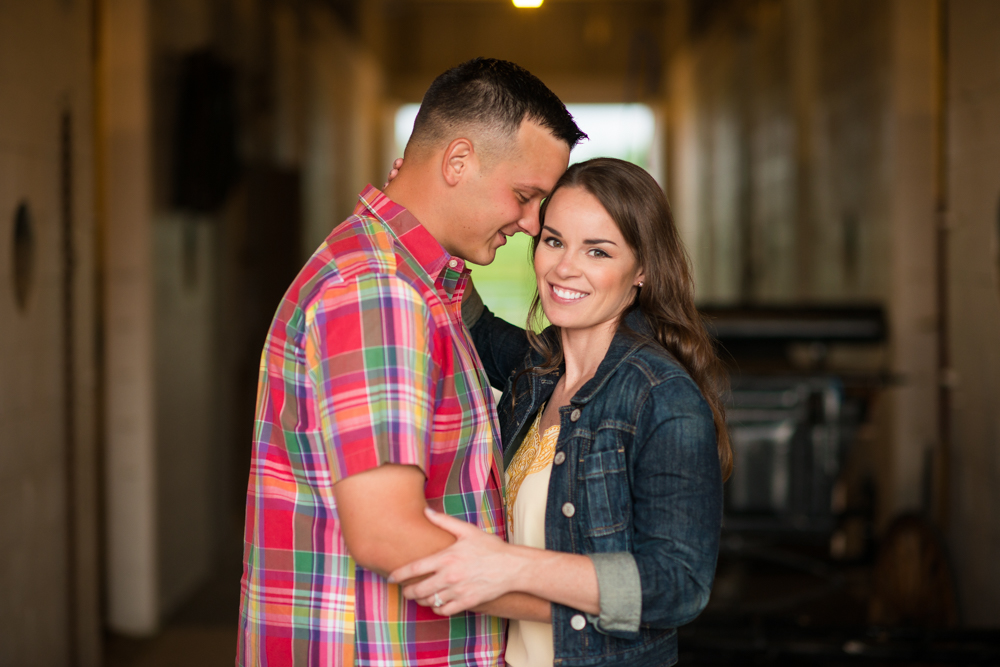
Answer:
(636, 334)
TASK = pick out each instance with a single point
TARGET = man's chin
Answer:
(483, 258)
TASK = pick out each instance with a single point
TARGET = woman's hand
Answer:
(474, 570)
(394, 172)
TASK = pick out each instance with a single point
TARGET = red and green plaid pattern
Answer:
(367, 362)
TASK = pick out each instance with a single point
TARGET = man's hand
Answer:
(382, 518)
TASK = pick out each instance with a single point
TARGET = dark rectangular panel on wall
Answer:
(268, 257)
(206, 161)
(69, 374)
(272, 241)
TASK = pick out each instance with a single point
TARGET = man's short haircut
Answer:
(495, 95)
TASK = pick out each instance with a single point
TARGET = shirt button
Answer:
(559, 458)
(568, 509)
(575, 415)
(578, 622)
(453, 263)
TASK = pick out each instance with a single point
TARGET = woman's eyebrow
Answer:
(555, 232)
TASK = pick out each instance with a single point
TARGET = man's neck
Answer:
(413, 190)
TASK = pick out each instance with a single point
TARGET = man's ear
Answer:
(459, 161)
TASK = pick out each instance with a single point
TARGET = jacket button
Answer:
(559, 458)
(575, 415)
(578, 622)
(568, 509)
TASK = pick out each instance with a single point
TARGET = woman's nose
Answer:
(566, 266)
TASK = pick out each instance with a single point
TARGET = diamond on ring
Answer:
(438, 602)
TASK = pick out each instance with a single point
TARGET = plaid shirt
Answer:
(367, 362)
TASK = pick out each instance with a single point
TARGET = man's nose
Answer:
(530, 224)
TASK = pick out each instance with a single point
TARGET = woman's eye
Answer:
(552, 242)
(597, 252)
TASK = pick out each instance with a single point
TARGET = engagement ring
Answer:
(437, 601)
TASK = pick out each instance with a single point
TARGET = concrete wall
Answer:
(190, 474)
(143, 326)
(911, 145)
(802, 170)
(974, 302)
(805, 164)
(190, 479)
(307, 94)
(125, 192)
(308, 108)
(778, 159)
(343, 132)
(48, 401)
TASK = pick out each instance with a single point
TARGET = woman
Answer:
(614, 438)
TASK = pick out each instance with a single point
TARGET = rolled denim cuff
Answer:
(472, 305)
(621, 592)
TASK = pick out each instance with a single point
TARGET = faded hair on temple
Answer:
(493, 95)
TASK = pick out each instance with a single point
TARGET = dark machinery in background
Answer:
(789, 436)
(783, 594)
(790, 426)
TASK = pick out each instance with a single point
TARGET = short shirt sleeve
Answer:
(371, 366)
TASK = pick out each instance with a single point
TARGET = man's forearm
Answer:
(382, 518)
(400, 544)
(520, 606)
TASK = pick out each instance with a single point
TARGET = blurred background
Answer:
(833, 165)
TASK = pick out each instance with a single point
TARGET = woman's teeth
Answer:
(568, 294)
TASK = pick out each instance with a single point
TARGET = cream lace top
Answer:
(529, 644)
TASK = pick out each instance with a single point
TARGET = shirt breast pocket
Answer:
(605, 484)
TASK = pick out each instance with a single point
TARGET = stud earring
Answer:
(639, 284)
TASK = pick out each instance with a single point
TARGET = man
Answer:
(372, 403)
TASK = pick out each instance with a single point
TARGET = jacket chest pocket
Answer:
(605, 485)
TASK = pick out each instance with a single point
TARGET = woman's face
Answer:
(586, 272)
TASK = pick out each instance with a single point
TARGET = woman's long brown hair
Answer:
(640, 209)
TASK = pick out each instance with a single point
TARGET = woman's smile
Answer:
(566, 295)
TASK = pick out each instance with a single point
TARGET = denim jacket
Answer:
(635, 485)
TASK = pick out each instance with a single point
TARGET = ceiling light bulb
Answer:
(528, 4)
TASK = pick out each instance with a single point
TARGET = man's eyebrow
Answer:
(541, 191)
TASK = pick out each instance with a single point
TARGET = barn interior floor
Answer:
(771, 605)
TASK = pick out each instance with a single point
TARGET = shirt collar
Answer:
(446, 271)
